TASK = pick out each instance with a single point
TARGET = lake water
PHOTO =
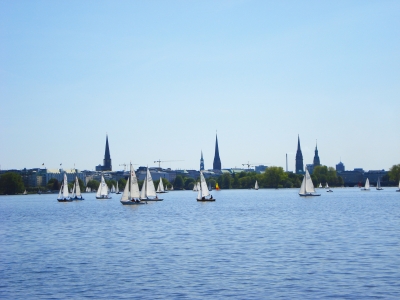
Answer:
(264, 244)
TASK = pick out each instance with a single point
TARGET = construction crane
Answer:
(124, 166)
(251, 165)
(160, 161)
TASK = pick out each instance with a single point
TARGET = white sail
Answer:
(73, 191)
(378, 184)
(160, 187)
(203, 186)
(65, 189)
(196, 187)
(134, 184)
(366, 187)
(78, 188)
(125, 194)
(103, 188)
(143, 191)
(150, 189)
(320, 185)
(307, 185)
(327, 186)
(117, 189)
(60, 192)
(256, 185)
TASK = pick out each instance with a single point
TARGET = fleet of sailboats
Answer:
(203, 194)
(103, 191)
(148, 192)
(366, 187)
(63, 195)
(307, 186)
(131, 194)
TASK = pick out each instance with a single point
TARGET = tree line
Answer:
(11, 183)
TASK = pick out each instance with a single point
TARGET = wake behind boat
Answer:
(307, 186)
(131, 194)
(148, 190)
(204, 194)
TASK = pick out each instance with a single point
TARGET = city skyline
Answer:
(259, 72)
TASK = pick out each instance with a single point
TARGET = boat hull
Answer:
(153, 199)
(77, 198)
(309, 195)
(103, 198)
(64, 200)
(132, 203)
(206, 200)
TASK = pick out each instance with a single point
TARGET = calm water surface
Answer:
(264, 244)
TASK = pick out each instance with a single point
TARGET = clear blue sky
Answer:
(160, 77)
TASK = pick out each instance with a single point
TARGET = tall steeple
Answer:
(316, 157)
(107, 158)
(299, 158)
(217, 160)
(201, 162)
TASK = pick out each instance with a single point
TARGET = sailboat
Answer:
(366, 187)
(25, 193)
(63, 195)
(209, 186)
(327, 187)
(102, 191)
(148, 189)
(256, 185)
(307, 186)
(77, 190)
(160, 188)
(217, 186)
(378, 185)
(320, 185)
(131, 194)
(399, 187)
(203, 191)
(196, 187)
(117, 189)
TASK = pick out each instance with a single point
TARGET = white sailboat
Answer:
(399, 187)
(148, 190)
(307, 186)
(256, 185)
(117, 189)
(102, 191)
(63, 195)
(131, 194)
(320, 185)
(196, 187)
(328, 189)
(204, 194)
(378, 185)
(366, 187)
(77, 189)
(25, 193)
(160, 188)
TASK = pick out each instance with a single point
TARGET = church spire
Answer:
(107, 158)
(316, 161)
(217, 160)
(201, 161)
(299, 158)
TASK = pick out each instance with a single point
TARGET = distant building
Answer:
(316, 157)
(201, 162)
(260, 168)
(299, 158)
(352, 178)
(373, 176)
(107, 159)
(340, 167)
(217, 160)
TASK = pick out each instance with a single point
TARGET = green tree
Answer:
(189, 183)
(275, 177)
(11, 183)
(53, 185)
(178, 182)
(93, 184)
(225, 181)
(394, 173)
(121, 184)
